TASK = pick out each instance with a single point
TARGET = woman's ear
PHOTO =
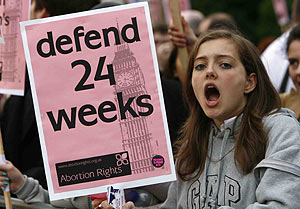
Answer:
(250, 83)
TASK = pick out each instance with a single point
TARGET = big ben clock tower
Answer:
(135, 134)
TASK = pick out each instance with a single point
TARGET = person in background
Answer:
(160, 33)
(18, 123)
(194, 18)
(188, 37)
(217, 18)
(274, 56)
(163, 46)
(274, 59)
(291, 99)
(175, 106)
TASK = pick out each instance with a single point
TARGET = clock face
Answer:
(125, 79)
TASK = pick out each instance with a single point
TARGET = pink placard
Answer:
(12, 59)
(98, 100)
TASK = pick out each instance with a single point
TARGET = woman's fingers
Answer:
(129, 205)
(4, 180)
(105, 205)
(96, 203)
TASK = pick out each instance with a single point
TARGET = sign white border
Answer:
(131, 184)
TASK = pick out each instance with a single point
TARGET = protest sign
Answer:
(98, 100)
(12, 59)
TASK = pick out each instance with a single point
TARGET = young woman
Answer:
(238, 148)
(291, 99)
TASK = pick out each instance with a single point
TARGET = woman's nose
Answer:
(210, 73)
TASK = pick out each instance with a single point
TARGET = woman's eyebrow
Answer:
(200, 58)
(217, 56)
(225, 56)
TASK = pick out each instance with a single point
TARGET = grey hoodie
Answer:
(273, 183)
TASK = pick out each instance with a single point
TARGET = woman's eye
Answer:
(293, 63)
(199, 67)
(226, 65)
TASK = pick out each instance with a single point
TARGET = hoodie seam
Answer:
(279, 165)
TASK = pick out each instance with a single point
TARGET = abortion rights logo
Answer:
(122, 159)
(158, 161)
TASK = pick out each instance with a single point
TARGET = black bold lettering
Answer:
(62, 114)
(136, 36)
(87, 67)
(110, 70)
(63, 40)
(6, 21)
(123, 108)
(116, 35)
(90, 36)
(102, 109)
(48, 40)
(76, 37)
(90, 111)
(140, 103)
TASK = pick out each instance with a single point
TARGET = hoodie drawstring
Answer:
(210, 148)
(213, 200)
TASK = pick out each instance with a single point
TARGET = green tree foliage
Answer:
(255, 18)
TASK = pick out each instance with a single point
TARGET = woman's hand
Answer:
(96, 203)
(105, 205)
(10, 174)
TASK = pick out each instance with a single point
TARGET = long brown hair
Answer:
(251, 141)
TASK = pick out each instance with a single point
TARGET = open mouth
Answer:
(211, 93)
